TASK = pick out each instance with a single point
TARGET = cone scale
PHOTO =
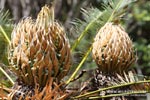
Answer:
(39, 49)
(112, 49)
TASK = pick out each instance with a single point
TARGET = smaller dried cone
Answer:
(39, 49)
(112, 49)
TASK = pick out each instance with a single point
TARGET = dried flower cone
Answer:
(112, 49)
(39, 49)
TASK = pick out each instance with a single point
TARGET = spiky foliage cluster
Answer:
(5, 30)
(39, 49)
(4, 20)
(112, 49)
(118, 87)
(94, 19)
(51, 91)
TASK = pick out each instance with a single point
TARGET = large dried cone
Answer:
(112, 49)
(39, 49)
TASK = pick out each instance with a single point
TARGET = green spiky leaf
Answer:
(5, 30)
(94, 19)
(4, 15)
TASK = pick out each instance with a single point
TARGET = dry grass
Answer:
(51, 91)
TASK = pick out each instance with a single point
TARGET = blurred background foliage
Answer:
(136, 23)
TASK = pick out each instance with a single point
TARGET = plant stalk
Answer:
(79, 66)
(112, 87)
(119, 94)
(12, 82)
(5, 35)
